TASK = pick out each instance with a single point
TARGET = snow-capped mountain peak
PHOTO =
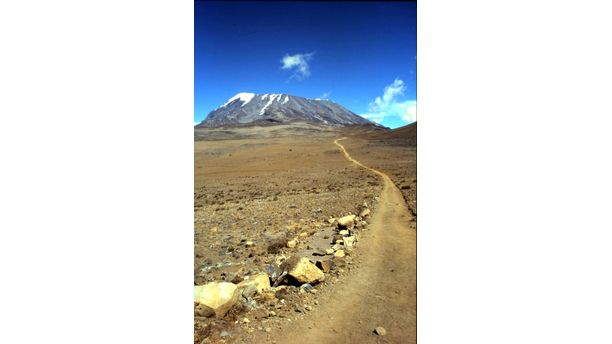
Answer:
(244, 108)
(243, 97)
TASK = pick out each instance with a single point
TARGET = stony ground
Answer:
(260, 203)
(253, 198)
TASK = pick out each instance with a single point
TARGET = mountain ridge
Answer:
(279, 108)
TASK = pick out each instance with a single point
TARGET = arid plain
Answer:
(308, 234)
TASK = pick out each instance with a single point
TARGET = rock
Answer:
(325, 265)
(219, 296)
(339, 254)
(344, 232)
(346, 222)
(246, 321)
(306, 286)
(336, 238)
(329, 251)
(319, 252)
(364, 213)
(291, 243)
(331, 220)
(202, 310)
(380, 331)
(303, 270)
(303, 235)
(268, 329)
(349, 241)
(224, 334)
(249, 243)
(248, 290)
(260, 281)
(280, 259)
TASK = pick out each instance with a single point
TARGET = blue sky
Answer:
(361, 55)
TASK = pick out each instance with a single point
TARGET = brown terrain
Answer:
(345, 199)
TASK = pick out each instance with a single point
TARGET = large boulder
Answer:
(347, 222)
(218, 296)
(303, 270)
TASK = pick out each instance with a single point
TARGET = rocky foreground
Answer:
(277, 291)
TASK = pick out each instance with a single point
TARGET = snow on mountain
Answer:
(243, 97)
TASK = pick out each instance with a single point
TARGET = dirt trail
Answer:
(380, 291)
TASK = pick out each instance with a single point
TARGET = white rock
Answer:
(346, 222)
(220, 296)
(349, 241)
(304, 271)
(261, 281)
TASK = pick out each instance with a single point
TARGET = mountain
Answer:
(251, 108)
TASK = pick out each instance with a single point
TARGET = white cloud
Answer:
(298, 63)
(389, 105)
(375, 117)
(325, 95)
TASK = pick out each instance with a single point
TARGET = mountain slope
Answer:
(245, 108)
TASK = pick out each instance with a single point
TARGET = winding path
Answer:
(380, 291)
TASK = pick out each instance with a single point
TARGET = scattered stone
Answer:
(249, 243)
(329, 251)
(303, 270)
(306, 286)
(246, 321)
(380, 331)
(224, 334)
(249, 290)
(365, 213)
(219, 296)
(325, 265)
(319, 252)
(268, 329)
(291, 243)
(303, 235)
(346, 222)
(344, 232)
(339, 254)
(260, 281)
(331, 220)
(349, 241)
